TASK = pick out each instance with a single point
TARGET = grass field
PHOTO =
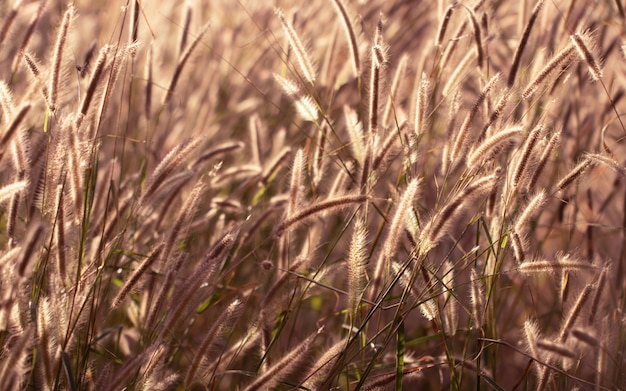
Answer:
(326, 194)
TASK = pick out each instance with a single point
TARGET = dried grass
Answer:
(205, 242)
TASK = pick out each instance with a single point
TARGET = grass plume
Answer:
(304, 62)
(523, 41)
(57, 60)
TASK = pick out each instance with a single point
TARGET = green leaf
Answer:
(45, 121)
(206, 304)
(400, 350)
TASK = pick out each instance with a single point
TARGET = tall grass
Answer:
(325, 195)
